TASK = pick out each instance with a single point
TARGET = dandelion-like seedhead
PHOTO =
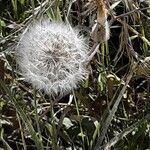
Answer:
(52, 56)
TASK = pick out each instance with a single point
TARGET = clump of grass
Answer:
(109, 110)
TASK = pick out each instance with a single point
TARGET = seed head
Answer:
(51, 57)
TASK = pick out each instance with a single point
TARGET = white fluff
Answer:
(51, 57)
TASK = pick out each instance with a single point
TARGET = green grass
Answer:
(110, 110)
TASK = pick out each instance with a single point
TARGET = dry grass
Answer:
(111, 109)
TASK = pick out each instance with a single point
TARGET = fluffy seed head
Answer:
(51, 57)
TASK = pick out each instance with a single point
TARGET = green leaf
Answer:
(2, 23)
(22, 2)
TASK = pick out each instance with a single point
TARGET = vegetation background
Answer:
(111, 109)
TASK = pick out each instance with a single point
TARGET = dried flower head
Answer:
(100, 30)
(51, 57)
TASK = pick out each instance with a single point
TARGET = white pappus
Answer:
(51, 57)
